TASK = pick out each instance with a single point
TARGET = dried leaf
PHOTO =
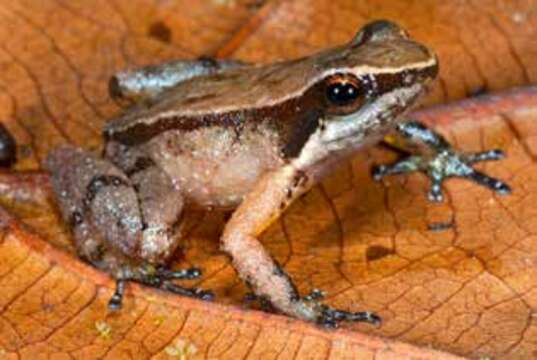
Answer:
(467, 288)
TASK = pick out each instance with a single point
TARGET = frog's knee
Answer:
(95, 194)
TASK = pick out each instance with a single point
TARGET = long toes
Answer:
(186, 274)
(490, 155)
(494, 184)
(366, 316)
(194, 293)
(362, 316)
(331, 317)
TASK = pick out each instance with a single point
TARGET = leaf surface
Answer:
(468, 290)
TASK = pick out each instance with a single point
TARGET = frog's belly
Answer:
(213, 167)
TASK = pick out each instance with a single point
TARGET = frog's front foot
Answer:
(441, 162)
(161, 278)
(311, 308)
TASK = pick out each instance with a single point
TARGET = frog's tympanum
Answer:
(226, 134)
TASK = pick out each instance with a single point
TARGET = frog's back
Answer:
(225, 96)
(247, 87)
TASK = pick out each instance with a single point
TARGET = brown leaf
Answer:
(55, 306)
(468, 289)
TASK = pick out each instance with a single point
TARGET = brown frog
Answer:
(226, 134)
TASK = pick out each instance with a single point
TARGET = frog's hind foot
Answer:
(160, 278)
(441, 161)
(197, 293)
(183, 274)
(330, 317)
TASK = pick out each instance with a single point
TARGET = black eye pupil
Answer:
(342, 93)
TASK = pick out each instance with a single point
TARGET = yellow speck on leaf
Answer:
(159, 320)
(229, 3)
(104, 329)
(182, 349)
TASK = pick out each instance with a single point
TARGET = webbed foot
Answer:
(442, 162)
(160, 278)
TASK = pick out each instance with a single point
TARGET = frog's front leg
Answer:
(265, 203)
(144, 84)
(437, 159)
(121, 220)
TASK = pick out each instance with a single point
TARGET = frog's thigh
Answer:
(261, 207)
(99, 202)
(161, 206)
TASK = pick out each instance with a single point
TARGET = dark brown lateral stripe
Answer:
(141, 133)
(301, 133)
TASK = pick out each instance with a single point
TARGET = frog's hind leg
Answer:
(437, 159)
(161, 206)
(112, 215)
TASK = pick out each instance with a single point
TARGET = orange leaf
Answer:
(468, 290)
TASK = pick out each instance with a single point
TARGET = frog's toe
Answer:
(183, 274)
(492, 183)
(489, 155)
(406, 165)
(435, 192)
(116, 301)
(315, 294)
(197, 293)
(331, 317)
(312, 309)
(163, 279)
(160, 278)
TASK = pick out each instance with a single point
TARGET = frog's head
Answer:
(369, 83)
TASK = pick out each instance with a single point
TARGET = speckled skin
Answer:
(257, 136)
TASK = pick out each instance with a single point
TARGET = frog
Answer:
(229, 135)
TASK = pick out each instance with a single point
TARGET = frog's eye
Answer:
(343, 91)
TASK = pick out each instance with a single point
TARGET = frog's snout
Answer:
(433, 69)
